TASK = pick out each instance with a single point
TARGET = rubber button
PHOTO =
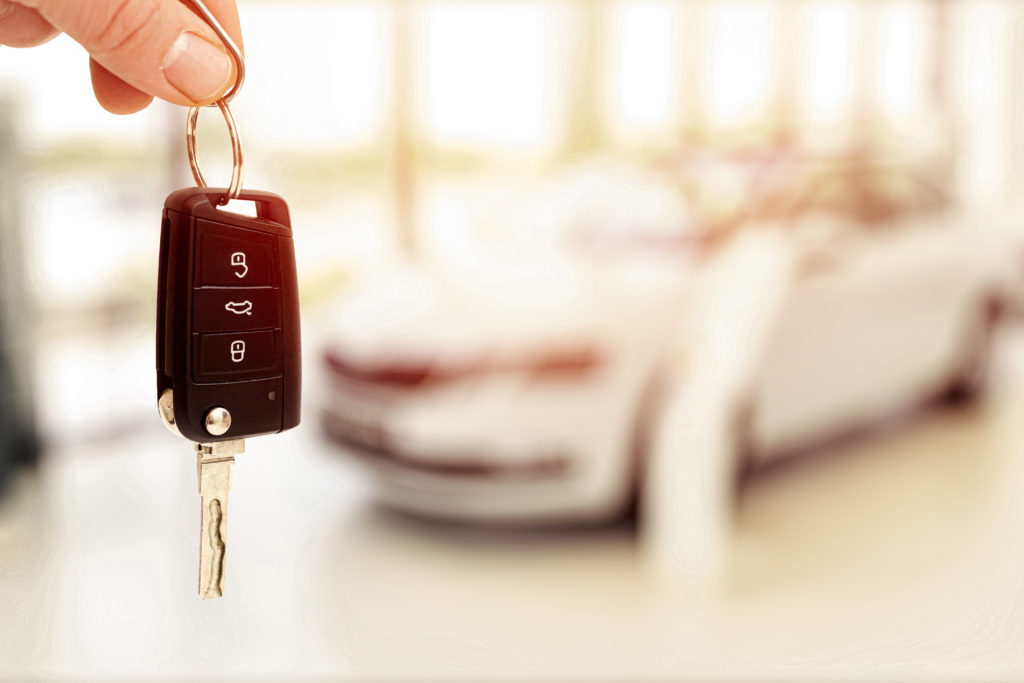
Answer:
(229, 309)
(234, 257)
(236, 356)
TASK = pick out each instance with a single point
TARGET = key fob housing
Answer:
(228, 315)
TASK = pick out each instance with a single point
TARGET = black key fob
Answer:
(227, 340)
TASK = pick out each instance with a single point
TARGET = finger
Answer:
(159, 47)
(115, 95)
(24, 27)
(226, 12)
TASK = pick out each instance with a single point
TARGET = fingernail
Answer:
(197, 68)
(5, 7)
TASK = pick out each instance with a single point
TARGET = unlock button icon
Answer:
(239, 264)
(238, 351)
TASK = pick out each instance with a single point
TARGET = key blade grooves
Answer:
(214, 463)
(217, 547)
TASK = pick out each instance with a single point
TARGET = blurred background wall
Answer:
(382, 120)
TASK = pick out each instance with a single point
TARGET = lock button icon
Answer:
(236, 356)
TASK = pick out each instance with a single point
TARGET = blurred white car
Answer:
(524, 393)
(894, 298)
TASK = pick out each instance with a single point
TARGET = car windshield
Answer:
(870, 196)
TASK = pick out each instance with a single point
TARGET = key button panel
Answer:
(227, 256)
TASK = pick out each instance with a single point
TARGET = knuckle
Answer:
(22, 27)
(32, 38)
(127, 23)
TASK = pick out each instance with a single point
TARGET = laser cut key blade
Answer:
(214, 463)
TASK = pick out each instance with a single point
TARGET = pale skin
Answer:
(139, 49)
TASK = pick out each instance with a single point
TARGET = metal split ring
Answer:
(235, 189)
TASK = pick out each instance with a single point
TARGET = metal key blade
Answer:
(213, 464)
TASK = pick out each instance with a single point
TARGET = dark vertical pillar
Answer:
(17, 323)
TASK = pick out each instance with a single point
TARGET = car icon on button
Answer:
(240, 308)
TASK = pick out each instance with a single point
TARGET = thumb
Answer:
(157, 46)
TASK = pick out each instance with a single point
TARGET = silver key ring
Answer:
(235, 189)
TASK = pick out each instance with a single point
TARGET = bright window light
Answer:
(829, 33)
(311, 83)
(491, 75)
(643, 95)
(740, 55)
(903, 59)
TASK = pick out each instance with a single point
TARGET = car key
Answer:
(228, 342)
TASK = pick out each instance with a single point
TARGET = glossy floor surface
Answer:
(897, 557)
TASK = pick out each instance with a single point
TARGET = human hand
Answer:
(138, 48)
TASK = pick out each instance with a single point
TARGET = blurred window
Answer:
(488, 76)
(367, 114)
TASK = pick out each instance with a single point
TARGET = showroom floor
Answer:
(897, 557)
